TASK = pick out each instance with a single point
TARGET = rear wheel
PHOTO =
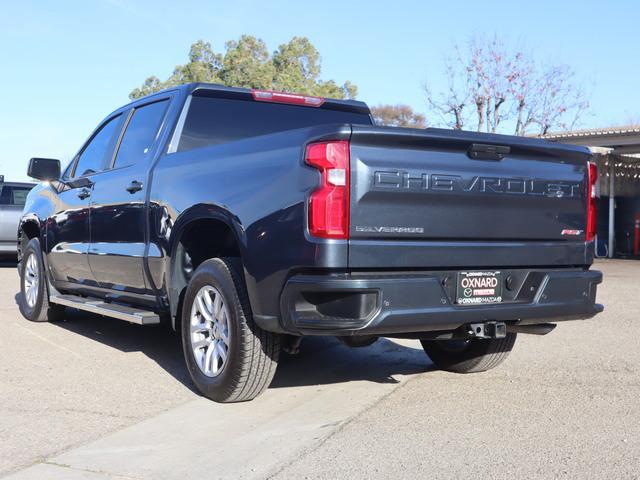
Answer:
(34, 298)
(229, 357)
(469, 356)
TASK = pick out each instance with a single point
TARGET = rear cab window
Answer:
(213, 120)
(140, 134)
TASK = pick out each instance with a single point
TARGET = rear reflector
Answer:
(282, 97)
(592, 194)
(329, 203)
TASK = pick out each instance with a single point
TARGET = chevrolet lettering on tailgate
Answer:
(432, 182)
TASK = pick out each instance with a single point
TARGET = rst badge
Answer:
(573, 233)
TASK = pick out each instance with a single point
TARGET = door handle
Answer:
(84, 193)
(134, 187)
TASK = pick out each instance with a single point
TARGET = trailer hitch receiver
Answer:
(487, 330)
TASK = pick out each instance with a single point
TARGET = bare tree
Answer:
(558, 103)
(632, 119)
(449, 107)
(505, 90)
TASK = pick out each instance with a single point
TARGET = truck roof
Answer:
(15, 184)
(355, 106)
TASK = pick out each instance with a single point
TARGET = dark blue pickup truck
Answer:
(248, 219)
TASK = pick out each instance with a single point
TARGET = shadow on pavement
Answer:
(159, 343)
(322, 360)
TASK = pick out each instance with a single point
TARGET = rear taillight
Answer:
(592, 193)
(329, 203)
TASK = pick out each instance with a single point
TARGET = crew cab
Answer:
(247, 219)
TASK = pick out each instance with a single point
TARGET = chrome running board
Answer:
(114, 310)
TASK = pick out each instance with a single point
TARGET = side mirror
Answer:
(44, 169)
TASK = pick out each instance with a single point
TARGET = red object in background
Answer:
(592, 193)
(636, 237)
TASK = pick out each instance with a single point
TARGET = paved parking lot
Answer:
(97, 398)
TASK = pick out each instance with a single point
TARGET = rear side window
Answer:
(141, 133)
(14, 195)
(98, 152)
(212, 121)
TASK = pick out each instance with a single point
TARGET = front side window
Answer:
(97, 153)
(14, 195)
(140, 134)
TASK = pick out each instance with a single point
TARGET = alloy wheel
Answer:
(31, 280)
(209, 331)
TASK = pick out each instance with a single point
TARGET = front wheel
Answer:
(469, 356)
(34, 298)
(229, 357)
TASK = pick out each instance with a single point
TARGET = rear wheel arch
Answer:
(29, 229)
(200, 238)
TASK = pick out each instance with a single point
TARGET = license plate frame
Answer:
(479, 287)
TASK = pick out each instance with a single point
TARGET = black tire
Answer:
(252, 355)
(471, 356)
(39, 310)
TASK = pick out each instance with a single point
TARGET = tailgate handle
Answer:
(481, 151)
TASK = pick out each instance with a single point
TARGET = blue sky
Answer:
(66, 64)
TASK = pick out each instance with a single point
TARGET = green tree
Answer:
(204, 66)
(151, 84)
(397, 116)
(294, 67)
(298, 66)
(247, 63)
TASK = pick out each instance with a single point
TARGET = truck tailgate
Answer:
(431, 198)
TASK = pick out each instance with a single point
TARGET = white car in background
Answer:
(12, 198)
